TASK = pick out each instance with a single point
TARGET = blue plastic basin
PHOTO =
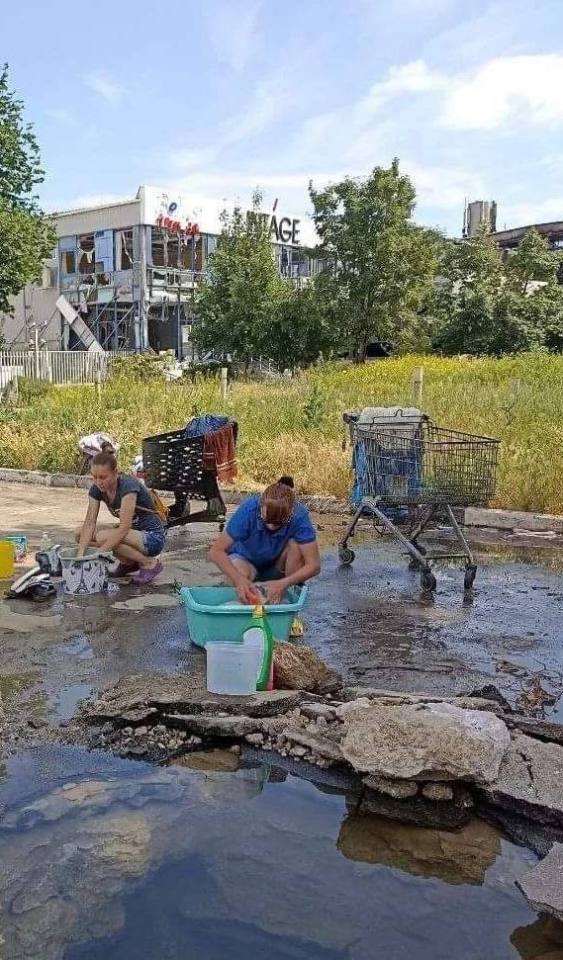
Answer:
(208, 620)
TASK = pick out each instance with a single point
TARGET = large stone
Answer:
(543, 884)
(206, 726)
(298, 667)
(319, 745)
(530, 780)
(436, 741)
(398, 789)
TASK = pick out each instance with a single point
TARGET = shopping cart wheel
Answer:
(428, 581)
(469, 577)
(346, 556)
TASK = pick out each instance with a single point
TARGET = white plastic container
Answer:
(232, 668)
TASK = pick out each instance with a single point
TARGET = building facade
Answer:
(130, 271)
(510, 239)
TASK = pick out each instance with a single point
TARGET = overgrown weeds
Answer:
(295, 426)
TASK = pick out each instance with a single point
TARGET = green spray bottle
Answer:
(259, 634)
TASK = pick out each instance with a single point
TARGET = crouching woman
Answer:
(139, 538)
(269, 540)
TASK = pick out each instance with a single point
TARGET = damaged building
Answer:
(124, 275)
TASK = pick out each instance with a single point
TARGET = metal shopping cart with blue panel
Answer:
(408, 473)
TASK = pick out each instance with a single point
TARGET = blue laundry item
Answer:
(208, 423)
(376, 477)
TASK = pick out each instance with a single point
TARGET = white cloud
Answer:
(529, 212)
(415, 77)
(443, 187)
(233, 30)
(103, 85)
(268, 101)
(525, 89)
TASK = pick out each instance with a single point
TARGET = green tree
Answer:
(487, 306)
(533, 295)
(382, 264)
(301, 329)
(26, 239)
(235, 308)
(466, 295)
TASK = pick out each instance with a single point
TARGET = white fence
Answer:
(55, 366)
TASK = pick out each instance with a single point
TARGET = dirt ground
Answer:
(369, 621)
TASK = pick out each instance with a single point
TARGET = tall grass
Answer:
(296, 426)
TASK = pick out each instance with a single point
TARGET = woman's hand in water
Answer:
(274, 591)
(247, 592)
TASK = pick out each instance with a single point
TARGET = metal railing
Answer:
(55, 366)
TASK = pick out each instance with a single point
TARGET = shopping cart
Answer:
(408, 473)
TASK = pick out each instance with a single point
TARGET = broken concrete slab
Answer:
(232, 727)
(435, 741)
(539, 729)
(182, 694)
(530, 780)
(400, 698)
(513, 520)
(543, 884)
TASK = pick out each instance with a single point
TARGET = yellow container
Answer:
(7, 558)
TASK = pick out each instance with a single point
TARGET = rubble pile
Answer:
(418, 759)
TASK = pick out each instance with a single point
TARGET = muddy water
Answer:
(104, 859)
(372, 623)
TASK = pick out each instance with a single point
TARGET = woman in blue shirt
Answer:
(269, 539)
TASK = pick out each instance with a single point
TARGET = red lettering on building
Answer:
(174, 226)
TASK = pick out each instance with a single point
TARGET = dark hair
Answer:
(105, 459)
(107, 447)
(287, 482)
(278, 502)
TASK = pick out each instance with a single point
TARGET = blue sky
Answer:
(219, 96)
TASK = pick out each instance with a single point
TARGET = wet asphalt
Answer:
(371, 621)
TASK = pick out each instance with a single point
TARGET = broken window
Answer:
(86, 254)
(68, 262)
(158, 247)
(191, 253)
(103, 246)
(124, 250)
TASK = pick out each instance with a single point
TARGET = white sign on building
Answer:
(175, 212)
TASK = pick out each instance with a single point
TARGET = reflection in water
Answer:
(104, 859)
(541, 940)
(460, 856)
(70, 696)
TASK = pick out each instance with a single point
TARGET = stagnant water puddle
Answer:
(105, 859)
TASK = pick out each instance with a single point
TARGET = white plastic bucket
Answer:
(84, 575)
(231, 668)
